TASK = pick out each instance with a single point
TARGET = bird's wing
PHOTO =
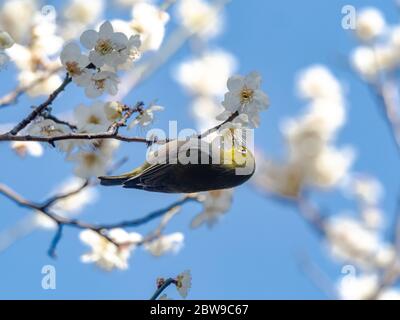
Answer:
(164, 177)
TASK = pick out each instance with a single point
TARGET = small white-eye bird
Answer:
(188, 167)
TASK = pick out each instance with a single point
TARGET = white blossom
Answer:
(200, 17)
(372, 217)
(351, 241)
(184, 283)
(16, 17)
(45, 40)
(145, 117)
(330, 167)
(109, 47)
(75, 64)
(246, 97)
(23, 148)
(352, 287)
(104, 253)
(83, 12)
(283, 179)
(80, 14)
(92, 119)
(215, 203)
(318, 82)
(100, 82)
(89, 163)
(370, 24)
(49, 128)
(113, 110)
(165, 243)
(367, 189)
(207, 74)
(149, 22)
(369, 62)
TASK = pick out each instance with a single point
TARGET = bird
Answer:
(188, 167)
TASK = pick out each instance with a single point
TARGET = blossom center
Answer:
(90, 159)
(100, 84)
(246, 95)
(93, 119)
(104, 46)
(73, 68)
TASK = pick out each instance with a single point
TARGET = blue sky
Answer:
(253, 252)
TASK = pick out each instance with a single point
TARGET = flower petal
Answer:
(89, 38)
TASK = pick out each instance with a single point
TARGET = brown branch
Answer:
(42, 107)
(112, 132)
(165, 284)
(59, 121)
(74, 136)
(217, 127)
(101, 229)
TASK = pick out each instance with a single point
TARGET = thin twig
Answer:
(151, 216)
(100, 229)
(59, 121)
(164, 286)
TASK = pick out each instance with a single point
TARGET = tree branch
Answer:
(42, 107)
(100, 229)
(161, 288)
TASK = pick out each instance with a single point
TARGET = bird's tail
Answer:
(119, 180)
(114, 180)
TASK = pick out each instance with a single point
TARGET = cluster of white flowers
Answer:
(106, 254)
(93, 157)
(379, 50)
(200, 17)
(364, 286)
(24, 148)
(368, 192)
(109, 51)
(215, 203)
(358, 240)
(37, 44)
(78, 15)
(350, 240)
(312, 160)
(165, 243)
